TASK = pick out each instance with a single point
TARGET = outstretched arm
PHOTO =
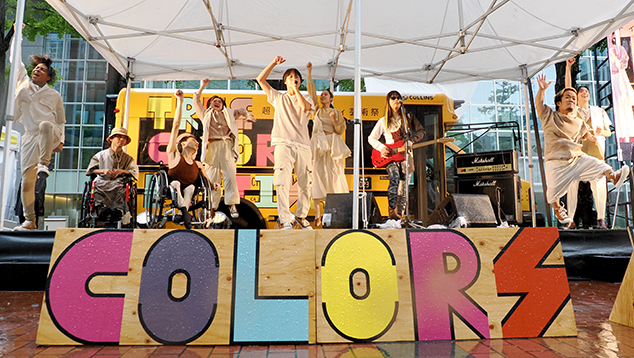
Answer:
(198, 106)
(266, 87)
(172, 145)
(310, 86)
(568, 81)
(539, 96)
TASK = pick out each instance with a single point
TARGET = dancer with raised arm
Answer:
(328, 148)
(292, 143)
(183, 166)
(599, 123)
(565, 162)
(40, 109)
(220, 145)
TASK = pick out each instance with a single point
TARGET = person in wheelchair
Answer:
(184, 169)
(112, 167)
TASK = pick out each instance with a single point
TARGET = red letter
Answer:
(542, 290)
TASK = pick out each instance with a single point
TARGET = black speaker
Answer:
(475, 208)
(508, 187)
(338, 211)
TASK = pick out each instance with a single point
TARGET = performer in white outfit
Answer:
(292, 143)
(39, 108)
(328, 148)
(565, 162)
(599, 123)
(220, 149)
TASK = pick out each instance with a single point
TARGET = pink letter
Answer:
(82, 315)
(444, 265)
(264, 152)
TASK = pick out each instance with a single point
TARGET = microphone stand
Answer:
(405, 123)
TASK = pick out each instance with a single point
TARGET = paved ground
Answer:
(592, 302)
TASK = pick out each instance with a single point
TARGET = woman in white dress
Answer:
(328, 148)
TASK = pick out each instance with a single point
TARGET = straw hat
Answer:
(121, 131)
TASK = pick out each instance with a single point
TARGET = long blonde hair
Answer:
(389, 119)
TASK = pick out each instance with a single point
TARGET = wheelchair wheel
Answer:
(85, 217)
(132, 193)
(155, 200)
(201, 207)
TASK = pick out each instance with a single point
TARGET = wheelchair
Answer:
(160, 202)
(89, 217)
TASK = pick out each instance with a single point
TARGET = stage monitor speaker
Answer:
(338, 211)
(475, 208)
(510, 193)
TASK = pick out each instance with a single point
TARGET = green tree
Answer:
(348, 85)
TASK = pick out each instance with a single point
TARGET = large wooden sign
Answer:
(623, 309)
(214, 287)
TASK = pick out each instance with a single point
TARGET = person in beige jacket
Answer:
(220, 148)
(40, 109)
(599, 123)
(565, 162)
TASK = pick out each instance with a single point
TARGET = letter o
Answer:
(179, 320)
(358, 318)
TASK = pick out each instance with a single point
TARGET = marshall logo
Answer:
(480, 183)
(482, 160)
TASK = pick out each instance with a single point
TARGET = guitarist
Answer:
(392, 128)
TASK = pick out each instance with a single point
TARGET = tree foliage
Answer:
(39, 19)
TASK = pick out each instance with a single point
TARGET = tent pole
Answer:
(13, 77)
(540, 156)
(357, 115)
(129, 78)
(529, 151)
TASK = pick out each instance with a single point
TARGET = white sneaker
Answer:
(234, 211)
(305, 224)
(26, 226)
(625, 173)
(286, 226)
(41, 168)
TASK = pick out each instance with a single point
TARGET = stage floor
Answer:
(592, 301)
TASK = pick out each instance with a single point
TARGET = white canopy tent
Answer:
(420, 41)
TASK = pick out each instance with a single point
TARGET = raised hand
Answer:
(543, 84)
(204, 82)
(570, 61)
(279, 60)
(179, 94)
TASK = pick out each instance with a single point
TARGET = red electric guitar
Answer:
(397, 151)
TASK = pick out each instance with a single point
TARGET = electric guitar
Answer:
(396, 154)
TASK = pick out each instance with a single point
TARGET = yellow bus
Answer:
(150, 121)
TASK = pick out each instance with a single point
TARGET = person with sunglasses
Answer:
(220, 149)
(328, 148)
(389, 138)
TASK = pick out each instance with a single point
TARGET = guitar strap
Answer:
(398, 135)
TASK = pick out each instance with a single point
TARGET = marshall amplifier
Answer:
(486, 163)
(508, 188)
